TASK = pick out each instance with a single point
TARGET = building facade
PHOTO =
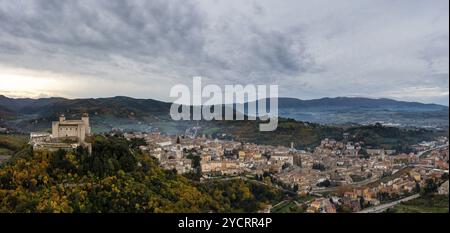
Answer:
(71, 129)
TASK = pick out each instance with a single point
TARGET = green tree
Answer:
(430, 186)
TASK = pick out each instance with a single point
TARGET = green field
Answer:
(425, 204)
(211, 130)
(9, 144)
(4, 151)
(285, 207)
(292, 206)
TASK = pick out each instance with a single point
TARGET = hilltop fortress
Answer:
(66, 134)
(73, 129)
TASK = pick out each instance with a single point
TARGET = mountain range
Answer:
(346, 110)
(124, 112)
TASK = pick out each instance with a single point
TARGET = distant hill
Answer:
(299, 123)
(125, 111)
(117, 106)
(5, 112)
(345, 110)
(106, 113)
(357, 102)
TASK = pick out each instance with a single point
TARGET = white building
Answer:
(39, 137)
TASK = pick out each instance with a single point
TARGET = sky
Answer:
(395, 49)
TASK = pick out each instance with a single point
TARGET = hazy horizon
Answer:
(280, 97)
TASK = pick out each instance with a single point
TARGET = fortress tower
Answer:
(75, 129)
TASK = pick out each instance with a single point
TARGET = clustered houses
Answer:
(335, 163)
(330, 165)
(321, 205)
(359, 198)
(169, 151)
(436, 159)
(336, 148)
(409, 174)
(217, 157)
(332, 160)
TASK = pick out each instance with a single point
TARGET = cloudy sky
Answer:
(98, 48)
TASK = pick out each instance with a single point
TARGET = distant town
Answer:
(336, 176)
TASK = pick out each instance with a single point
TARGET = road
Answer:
(279, 203)
(383, 207)
(420, 154)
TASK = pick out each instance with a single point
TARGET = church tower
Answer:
(179, 150)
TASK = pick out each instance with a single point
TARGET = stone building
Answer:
(66, 135)
(71, 129)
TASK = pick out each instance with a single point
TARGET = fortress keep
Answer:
(71, 129)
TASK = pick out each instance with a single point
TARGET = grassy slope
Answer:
(9, 144)
(309, 135)
(302, 134)
(425, 204)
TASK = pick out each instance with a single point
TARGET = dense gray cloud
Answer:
(395, 49)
